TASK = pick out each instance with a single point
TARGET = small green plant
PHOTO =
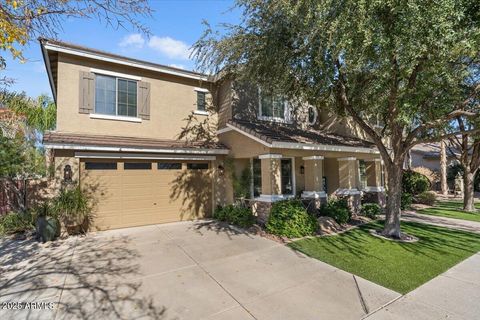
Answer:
(370, 210)
(427, 198)
(71, 207)
(406, 201)
(289, 218)
(338, 209)
(15, 222)
(236, 215)
(414, 182)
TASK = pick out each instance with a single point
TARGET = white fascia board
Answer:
(223, 130)
(270, 156)
(46, 60)
(129, 149)
(103, 155)
(314, 158)
(322, 147)
(347, 159)
(81, 53)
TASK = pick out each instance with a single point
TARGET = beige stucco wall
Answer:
(313, 175)
(172, 98)
(331, 173)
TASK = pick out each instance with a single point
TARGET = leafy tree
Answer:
(402, 61)
(23, 122)
(466, 148)
(23, 20)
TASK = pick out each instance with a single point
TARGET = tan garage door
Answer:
(137, 192)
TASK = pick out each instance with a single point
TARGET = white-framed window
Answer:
(115, 96)
(201, 101)
(273, 107)
(312, 115)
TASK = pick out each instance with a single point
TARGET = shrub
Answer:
(370, 210)
(406, 201)
(71, 206)
(234, 214)
(289, 218)
(414, 182)
(337, 209)
(427, 198)
(15, 222)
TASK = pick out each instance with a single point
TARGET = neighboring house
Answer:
(155, 144)
(427, 155)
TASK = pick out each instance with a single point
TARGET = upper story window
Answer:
(272, 107)
(115, 96)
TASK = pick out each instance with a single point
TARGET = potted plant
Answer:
(47, 225)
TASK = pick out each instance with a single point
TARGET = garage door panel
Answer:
(139, 197)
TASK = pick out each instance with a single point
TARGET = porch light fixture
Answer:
(221, 169)
(302, 170)
(67, 173)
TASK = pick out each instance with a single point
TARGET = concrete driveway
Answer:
(188, 270)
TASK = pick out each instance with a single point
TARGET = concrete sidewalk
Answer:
(453, 295)
(464, 225)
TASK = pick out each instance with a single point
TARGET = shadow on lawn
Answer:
(95, 279)
(432, 241)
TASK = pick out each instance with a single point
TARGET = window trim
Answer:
(115, 74)
(117, 77)
(286, 111)
(117, 118)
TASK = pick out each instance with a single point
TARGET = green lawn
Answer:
(401, 267)
(451, 209)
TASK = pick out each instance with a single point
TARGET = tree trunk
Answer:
(443, 168)
(394, 200)
(468, 198)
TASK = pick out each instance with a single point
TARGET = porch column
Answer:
(271, 176)
(314, 178)
(348, 182)
(374, 175)
(375, 191)
(348, 173)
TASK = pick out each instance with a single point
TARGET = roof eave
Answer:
(46, 60)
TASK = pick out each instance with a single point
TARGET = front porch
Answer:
(277, 176)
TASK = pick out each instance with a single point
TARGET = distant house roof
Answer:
(432, 150)
(283, 135)
(60, 140)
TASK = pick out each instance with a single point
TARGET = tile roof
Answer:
(126, 142)
(278, 132)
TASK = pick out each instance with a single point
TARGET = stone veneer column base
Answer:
(313, 200)
(353, 196)
(261, 210)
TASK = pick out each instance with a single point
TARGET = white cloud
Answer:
(134, 40)
(174, 49)
(178, 66)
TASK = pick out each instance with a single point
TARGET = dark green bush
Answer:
(337, 209)
(236, 215)
(289, 218)
(427, 198)
(406, 201)
(14, 222)
(414, 182)
(370, 210)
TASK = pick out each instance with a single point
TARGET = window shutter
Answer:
(87, 92)
(143, 100)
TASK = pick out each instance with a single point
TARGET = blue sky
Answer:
(175, 26)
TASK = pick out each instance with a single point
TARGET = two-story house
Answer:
(151, 142)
